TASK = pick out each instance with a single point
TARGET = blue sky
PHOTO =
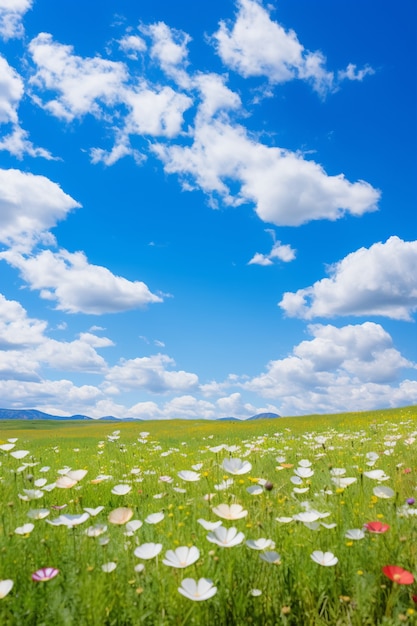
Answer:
(207, 209)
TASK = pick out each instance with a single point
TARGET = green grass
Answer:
(296, 591)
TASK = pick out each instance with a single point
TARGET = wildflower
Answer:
(226, 537)
(383, 492)
(96, 531)
(121, 490)
(154, 518)
(208, 525)
(376, 527)
(229, 512)
(260, 544)
(133, 526)
(377, 474)
(255, 593)
(181, 557)
(94, 512)
(38, 513)
(355, 533)
(271, 557)
(120, 516)
(236, 466)
(44, 574)
(328, 559)
(109, 567)
(398, 574)
(26, 529)
(5, 587)
(410, 501)
(189, 475)
(203, 589)
(255, 490)
(69, 520)
(148, 550)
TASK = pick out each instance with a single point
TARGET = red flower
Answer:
(376, 527)
(398, 574)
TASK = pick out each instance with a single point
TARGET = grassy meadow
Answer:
(292, 521)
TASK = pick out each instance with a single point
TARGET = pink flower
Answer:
(44, 574)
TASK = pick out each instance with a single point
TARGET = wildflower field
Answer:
(295, 521)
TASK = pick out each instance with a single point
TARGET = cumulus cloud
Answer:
(339, 369)
(287, 189)
(169, 50)
(82, 84)
(132, 45)
(380, 280)
(151, 374)
(17, 330)
(11, 14)
(29, 206)
(49, 395)
(77, 285)
(11, 92)
(255, 45)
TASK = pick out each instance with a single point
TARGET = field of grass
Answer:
(121, 519)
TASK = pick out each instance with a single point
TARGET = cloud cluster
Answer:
(11, 14)
(380, 280)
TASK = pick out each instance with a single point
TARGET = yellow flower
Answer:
(359, 572)
(349, 543)
(380, 516)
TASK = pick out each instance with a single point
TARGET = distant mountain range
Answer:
(32, 414)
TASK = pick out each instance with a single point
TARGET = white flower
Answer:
(271, 557)
(284, 520)
(148, 550)
(121, 490)
(65, 482)
(307, 517)
(377, 474)
(304, 472)
(203, 589)
(5, 587)
(304, 463)
(226, 537)
(229, 511)
(31, 494)
(154, 518)
(69, 520)
(224, 484)
(260, 544)
(40, 482)
(208, 525)
(328, 559)
(236, 466)
(93, 512)
(19, 454)
(355, 533)
(255, 490)
(181, 557)
(96, 530)
(109, 567)
(77, 475)
(189, 475)
(6, 447)
(255, 592)
(343, 481)
(26, 529)
(383, 492)
(133, 526)
(38, 513)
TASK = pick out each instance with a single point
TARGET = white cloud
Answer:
(11, 92)
(380, 280)
(78, 286)
(29, 206)
(287, 190)
(17, 330)
(77, 355)
(81, 83)
(155, 112)
(255, 45)
(131, 45)
(151, 374)
(11, 14)
(279, 251)
(54, 395)
(215, 95)
(169, 49)
(339, 369)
